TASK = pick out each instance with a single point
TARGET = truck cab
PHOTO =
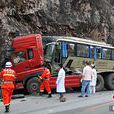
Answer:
(27, 59)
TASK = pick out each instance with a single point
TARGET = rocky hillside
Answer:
(84, 18)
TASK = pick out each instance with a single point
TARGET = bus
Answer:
(73, 51)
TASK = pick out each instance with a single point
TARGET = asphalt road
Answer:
(95, 109)
(95, 104)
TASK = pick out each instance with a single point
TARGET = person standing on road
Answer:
(60, 83)
(8, 77)
(94, 79)
(86, 78)
(45, 82)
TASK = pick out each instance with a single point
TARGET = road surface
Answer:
(95, 104)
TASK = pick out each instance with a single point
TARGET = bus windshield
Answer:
(48, 51)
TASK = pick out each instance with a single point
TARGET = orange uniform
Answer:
(45, 84)
(8, 77)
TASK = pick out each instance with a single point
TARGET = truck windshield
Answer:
(48, 51)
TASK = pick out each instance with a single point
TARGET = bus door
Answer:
(56, 57)
(68, 49)
(61, 52)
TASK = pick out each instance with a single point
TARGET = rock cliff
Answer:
(92, 19)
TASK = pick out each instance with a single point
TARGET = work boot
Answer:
(7, 108)
(61, 96)
(62, 99)
(80, 96)
(41, 93)
(86, 96)
(49, 95)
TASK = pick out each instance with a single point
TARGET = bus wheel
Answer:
(109, 83)
(100, 83)
(32, 86)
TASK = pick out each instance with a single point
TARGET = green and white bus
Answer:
(73, 51)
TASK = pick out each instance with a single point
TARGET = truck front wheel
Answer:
(100, 83)
(109, 81)
(33, 85)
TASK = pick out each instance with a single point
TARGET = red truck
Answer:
(28, 56)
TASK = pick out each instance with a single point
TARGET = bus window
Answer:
(92, 49)
(98, 52)
(82, 50)
(71, 49)
(106, 53)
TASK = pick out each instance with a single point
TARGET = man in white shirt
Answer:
(86, 78)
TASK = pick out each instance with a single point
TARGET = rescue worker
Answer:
(8, 77)
(48, 65)
(45, 84)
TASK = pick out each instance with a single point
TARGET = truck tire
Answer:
(100, 83)
(32, 86)
(109, 82)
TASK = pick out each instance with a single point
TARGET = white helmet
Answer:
(8, 64)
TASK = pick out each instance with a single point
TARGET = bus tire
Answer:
(109, 82)
(32, 86)
(100, 83)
